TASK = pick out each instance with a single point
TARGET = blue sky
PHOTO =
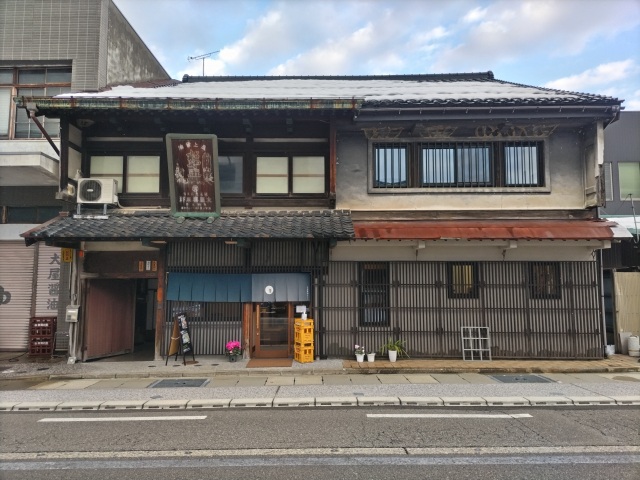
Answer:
(590, 46)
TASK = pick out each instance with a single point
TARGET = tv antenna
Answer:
(202, 57)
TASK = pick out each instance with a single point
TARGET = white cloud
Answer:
(513, 29)
(632, 103)
(475, 15)
(604, 74)
(436, 33)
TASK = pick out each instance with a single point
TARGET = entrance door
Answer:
(109, 318)
(273, 330)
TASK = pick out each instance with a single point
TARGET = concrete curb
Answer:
(300, 372)
(305, 402)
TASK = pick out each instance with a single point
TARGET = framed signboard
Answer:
(193, 175)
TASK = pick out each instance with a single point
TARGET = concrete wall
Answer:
(128, 57)
(45, 31)
(91, 35)
(622, 144)
(565, 154)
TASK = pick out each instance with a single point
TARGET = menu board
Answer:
(180, 339)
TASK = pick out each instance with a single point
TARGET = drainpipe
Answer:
(31, 112)
(636, 237)
(603, 314)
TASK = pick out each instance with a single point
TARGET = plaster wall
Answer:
(465, 251)
(565, 189)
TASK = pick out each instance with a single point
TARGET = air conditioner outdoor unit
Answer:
(98, 190)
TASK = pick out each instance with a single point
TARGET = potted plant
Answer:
(359, 351)
(233, 349)
(394, 348)
(371, 357)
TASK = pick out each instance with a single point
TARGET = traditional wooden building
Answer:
(403, 206)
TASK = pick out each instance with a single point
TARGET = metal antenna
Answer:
(202, 57)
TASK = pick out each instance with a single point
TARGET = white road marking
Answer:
(124, 419)
(448, 415)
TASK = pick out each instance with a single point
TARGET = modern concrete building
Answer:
(621, 263)
(48, 48)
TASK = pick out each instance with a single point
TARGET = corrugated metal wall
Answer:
(422, 313)
(16, 279)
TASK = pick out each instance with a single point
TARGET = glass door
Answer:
(273, 330)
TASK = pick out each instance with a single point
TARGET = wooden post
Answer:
(160, 299)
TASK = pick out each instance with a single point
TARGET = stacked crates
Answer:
(42, 331)
(303, 337)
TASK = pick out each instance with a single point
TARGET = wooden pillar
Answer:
(160, 305)
(247, 318)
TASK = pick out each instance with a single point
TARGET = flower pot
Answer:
(393, 355)
(233, 358)
(371, 357)
(360, 357)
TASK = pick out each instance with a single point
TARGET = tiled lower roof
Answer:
(162, 225)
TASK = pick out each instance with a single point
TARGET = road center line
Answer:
(124, 419)
(448, 415)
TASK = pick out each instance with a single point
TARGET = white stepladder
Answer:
(476, 343)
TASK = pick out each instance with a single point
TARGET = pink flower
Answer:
(233, 347)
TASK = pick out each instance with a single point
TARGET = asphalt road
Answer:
(331, 443)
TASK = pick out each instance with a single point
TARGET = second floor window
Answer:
(29, 82)
(284, 175)
(629, 175)
(134, 173)
(457, 164)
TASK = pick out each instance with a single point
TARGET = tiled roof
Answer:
(333, 92)
(138, 225)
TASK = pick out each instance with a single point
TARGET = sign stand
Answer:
(180, 339)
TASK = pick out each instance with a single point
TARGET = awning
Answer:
(626, 222)
(239, 288)
(202, 287)
(487, 230)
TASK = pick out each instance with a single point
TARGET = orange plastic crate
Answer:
(308, 323)
(303, 335)
(303, 353)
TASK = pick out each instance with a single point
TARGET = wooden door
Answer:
(109, 318)
(273, 330)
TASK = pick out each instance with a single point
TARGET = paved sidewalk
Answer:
(213, 382)
(14, 365)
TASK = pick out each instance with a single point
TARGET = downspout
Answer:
(603, 314)
(636, 237)
(31, 112)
